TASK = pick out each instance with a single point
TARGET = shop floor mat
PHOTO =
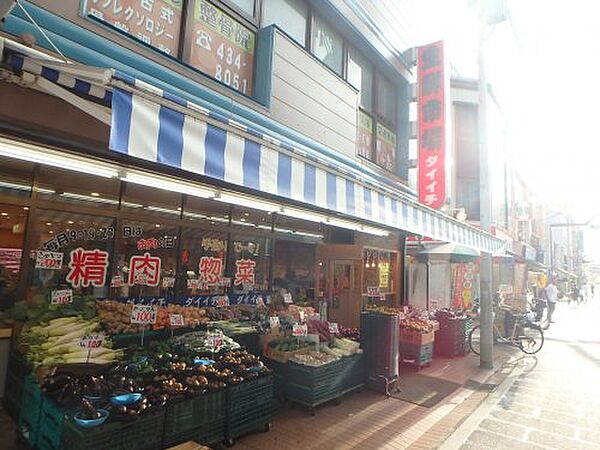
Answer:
(424, 390)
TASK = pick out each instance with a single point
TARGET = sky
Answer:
(544, 67)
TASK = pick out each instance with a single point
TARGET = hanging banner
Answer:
(465, 279)
(432, 125)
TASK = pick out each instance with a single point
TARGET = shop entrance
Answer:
(345, 309)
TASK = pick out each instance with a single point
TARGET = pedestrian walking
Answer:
(551, 292)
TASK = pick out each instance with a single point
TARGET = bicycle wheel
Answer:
(531, 340)
(475, 339)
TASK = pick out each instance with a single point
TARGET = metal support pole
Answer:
(486, 358)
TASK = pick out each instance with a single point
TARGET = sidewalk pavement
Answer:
(367, 420)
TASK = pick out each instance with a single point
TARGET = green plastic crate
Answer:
(249, 406)
(30, 409)
(353, 372)
(142, 433)
(206, 434)
(190, 415)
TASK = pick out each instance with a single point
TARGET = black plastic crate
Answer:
(190, 415)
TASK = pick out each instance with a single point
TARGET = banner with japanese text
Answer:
(465, 285)
(432, 125)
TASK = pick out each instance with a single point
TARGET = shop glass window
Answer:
(12, 233)
(327, 45)
(360, 75)
(77, 188)
(71, 251)
(220, 46)
(206, 212)
(289, 15)
(146, 260)
(251, 219)
(379, 266)
(150, 201)
(246, 6)
(294, 269)
(386, 101)
(203, 261)
(15, 177)
(249, 265)
(154, 22)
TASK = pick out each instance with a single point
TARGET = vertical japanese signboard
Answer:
(220, 46)
(386, 148)
(365, 135)
(155, 22)
(465, 288)
(432, 125)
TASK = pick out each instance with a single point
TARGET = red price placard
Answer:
(222, 301)
(92, 341)
(48, 260)
(299, 329)
(144, 314)
(176, 320)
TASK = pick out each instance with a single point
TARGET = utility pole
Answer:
(486, 358)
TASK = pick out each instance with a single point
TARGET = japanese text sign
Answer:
(287, 298)
(61, 297)
(386, 148)
(274, 321)
(244, 273)
(210, 270)
(220, 46)
(154, 22)
(144, 314)
(87, 267)
(432, 125)
(48, 260)
(299, 329)
(92, 341)
(176, 320)
(333, 328)
(144, 270)
(373, 291)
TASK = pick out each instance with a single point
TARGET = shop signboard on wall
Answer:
(365, 135)
(48, 260)
(386, 148)
(465, 278)
(154, 22)
(220, 46)
(432, 125)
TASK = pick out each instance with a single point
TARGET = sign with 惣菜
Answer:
(144, 314)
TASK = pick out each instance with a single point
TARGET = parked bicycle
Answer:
(524, 333)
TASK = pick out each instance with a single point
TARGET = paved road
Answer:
(552, 401)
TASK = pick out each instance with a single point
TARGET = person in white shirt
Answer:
(552, 297)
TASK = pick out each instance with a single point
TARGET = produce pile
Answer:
(446, 315)
(233, 328)
(57, 342)
(116, 316)
(417, 324)
(203, 343)
(290, 344)
(320, 327)
(238, 312)
(314, 359)
(349, 333)
(37, 309)
(384, 310)
(150, 382)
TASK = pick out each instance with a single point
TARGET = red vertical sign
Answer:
(432, 125)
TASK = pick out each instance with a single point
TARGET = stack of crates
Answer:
(416, 348)
(452, 339)
(200, 419)
(249, 406)
(30, 411)
(312, 386)
(18, 369)
(51, 425)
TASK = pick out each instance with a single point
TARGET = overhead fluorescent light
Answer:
(303, 215)
(167, 184)
(89, 198)
(247, 202)
(374, 230)
(344, 224)
(15, 186)
(173, 212)
(43, 155)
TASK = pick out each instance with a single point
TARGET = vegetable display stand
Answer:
(452, 338)
(280, 376)
(200, 419)
(380, 338)
(51, 426)
(140, 433)
(353, 372)
(416, 355)
(312, 386)
(249, 407)
(249, 341)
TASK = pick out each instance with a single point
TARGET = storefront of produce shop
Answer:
(115, 193)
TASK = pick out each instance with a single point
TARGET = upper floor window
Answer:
(247, 6)
(386, 101)
(327, 45)
(360, 75)
(289, 15)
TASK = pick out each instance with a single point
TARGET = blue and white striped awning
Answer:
(157, 126)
